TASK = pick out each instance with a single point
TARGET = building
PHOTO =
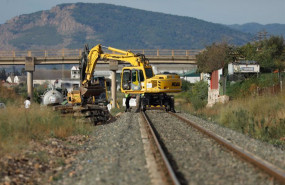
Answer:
(16, 80)
(51, 78)
(75, 74)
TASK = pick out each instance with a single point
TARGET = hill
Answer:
(254, 28)
(73, 25)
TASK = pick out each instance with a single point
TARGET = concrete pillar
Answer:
(30, 68)
(30, 84)
(113, 88)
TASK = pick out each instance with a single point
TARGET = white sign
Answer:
(132, 102)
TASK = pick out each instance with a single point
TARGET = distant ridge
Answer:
(254, 28)
(73, 25)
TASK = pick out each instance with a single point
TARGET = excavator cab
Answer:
(134, 79)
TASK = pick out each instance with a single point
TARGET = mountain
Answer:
(73, 25)
(254, 28)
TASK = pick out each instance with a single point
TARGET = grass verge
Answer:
(19, 126)
(260, 117)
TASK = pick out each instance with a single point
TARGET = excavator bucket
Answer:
(91, 91)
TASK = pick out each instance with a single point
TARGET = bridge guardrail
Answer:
(77, 53)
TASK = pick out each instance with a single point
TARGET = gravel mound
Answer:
(114, 155)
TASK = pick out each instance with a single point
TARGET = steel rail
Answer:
(262, 164)
(170, 171)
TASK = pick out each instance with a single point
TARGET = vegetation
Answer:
(256, 108)
(253, 86)
(19, 126)
(214, 57)
(196, 94)
(260, 117)
(255, 28)
(40, 35)
(37, 124)
(269, 52)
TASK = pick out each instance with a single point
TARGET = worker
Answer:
(128, 97)
(27, 102)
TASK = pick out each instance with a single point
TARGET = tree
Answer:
(267, 52)
(216, 57)
(213, 58)
(3, 75)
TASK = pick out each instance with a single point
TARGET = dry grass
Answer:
(261, 117)
(18, 126)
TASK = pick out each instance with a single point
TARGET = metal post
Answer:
(113, 88)
(30, 84)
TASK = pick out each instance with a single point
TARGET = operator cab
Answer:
(132, 78)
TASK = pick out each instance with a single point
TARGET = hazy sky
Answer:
(217, 11)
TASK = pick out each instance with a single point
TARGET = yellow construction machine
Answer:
(89, 101)
(138, 79)
(91, 87)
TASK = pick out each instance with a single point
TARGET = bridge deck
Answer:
(66, 56)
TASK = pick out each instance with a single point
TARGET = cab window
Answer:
(141, 76)
(148, 72)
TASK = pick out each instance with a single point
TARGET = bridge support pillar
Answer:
(30, 84)
(30, 68)
(113, 66)
(113, 89)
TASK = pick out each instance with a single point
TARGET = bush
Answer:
(198, 95)
(251, 85)
(186, 85)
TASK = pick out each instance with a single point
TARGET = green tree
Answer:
(215, 57)
(268, 52)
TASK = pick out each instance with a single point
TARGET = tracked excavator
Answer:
(88, 103)
(139, 80)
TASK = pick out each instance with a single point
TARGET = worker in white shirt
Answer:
(27, 103)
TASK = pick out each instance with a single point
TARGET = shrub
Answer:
(198, 95)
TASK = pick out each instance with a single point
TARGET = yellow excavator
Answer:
(137, 79)
(91, 88)
(89, 101)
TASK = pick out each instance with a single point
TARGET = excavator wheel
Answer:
(172, 104)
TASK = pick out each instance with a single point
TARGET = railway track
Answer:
(190, 154)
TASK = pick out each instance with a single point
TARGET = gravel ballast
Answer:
(115, 155)
(200, 160)
(264, 150)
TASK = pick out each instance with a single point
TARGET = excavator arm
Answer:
(93, 58)
(96, 53)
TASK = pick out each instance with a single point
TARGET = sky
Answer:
(216, 11)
